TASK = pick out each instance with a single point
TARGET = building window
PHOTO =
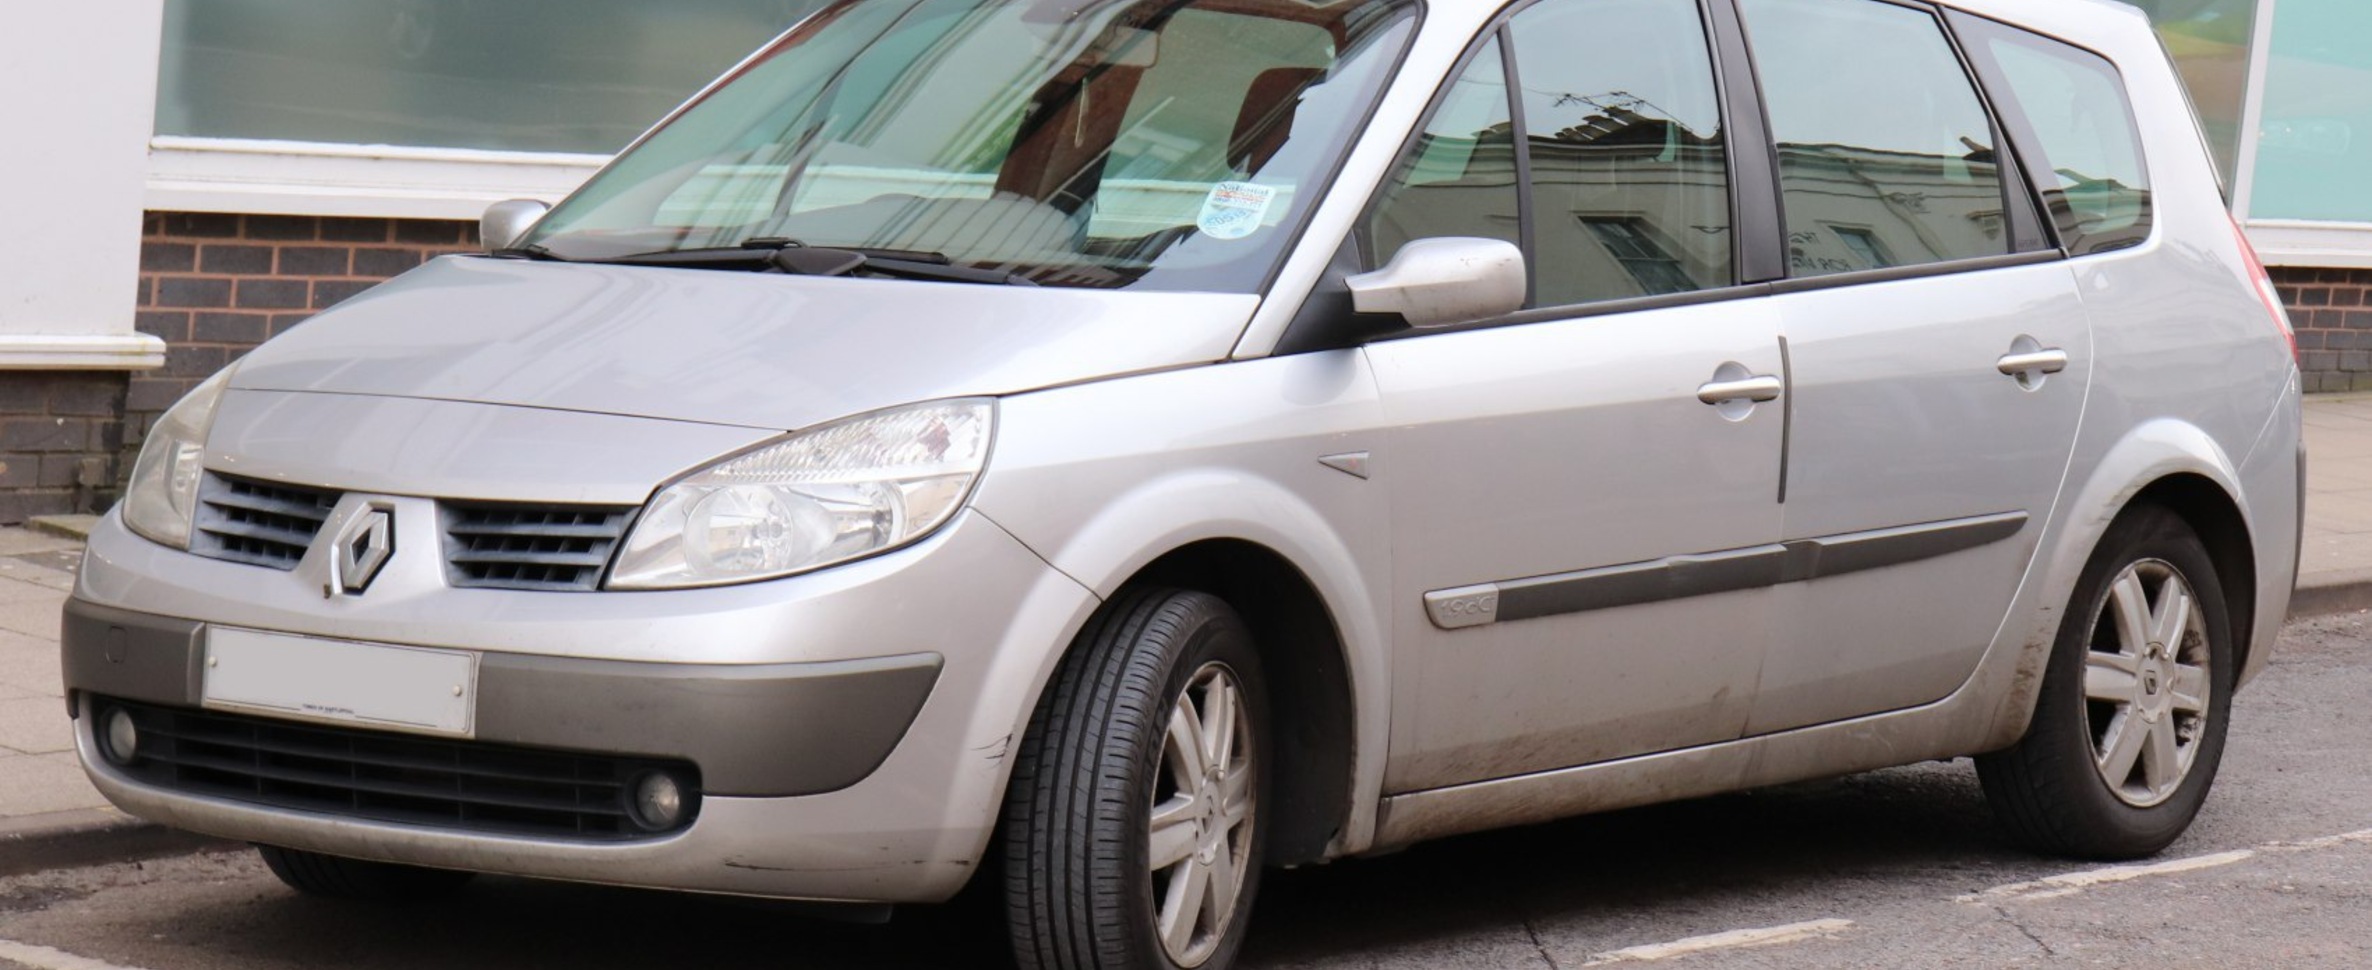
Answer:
(1864, 246)
(574, 76)
(2314, 144)
(1656, 271)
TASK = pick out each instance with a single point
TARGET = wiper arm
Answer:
(792, 256)
(941, 269)
(530, 252)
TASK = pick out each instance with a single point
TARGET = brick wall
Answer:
(2331, 309)
(59, 441)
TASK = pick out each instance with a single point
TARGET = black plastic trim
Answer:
(1527, 222)
(756, 730)
(1754, 567)
(1759, 231)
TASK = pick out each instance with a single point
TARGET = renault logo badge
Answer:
(363, 547)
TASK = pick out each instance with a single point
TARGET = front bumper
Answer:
(850, 726)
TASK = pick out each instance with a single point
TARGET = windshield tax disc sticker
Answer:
(1234, 210)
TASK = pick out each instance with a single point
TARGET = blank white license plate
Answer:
(417, 689)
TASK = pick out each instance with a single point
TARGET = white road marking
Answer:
(2325, 842)
(1768, 936)
(45, 958)
(2067, 884)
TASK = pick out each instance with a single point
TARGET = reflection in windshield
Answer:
(1166, 144)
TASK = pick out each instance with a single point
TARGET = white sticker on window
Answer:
(1234, 210)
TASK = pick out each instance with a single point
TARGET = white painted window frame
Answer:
(2285, 242)
(324, 179)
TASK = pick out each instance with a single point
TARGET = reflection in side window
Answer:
(2091, 172)
(1459, 180)
(1879, 132)
(1630, 184)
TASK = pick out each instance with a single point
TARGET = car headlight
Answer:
(164, 490)
(826, 495)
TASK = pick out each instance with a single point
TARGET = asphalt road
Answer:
(1900, 868)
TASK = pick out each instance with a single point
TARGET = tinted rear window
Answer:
(2091, 173)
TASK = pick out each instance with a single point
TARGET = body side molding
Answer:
(1703, 574)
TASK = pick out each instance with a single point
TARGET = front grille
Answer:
(467, 785)
(554, 547)
(257, 523)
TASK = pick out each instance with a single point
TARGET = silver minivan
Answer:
(1098, 449)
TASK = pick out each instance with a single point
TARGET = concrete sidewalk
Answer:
(50, 816)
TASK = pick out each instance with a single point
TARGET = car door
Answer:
(1584, 496)
(1938, 357)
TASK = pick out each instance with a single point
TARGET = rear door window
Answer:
(1886, 153)
(2091, 172)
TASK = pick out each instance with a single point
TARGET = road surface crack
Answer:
(2004, 912)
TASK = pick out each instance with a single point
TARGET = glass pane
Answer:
(2209, 40)
(2315, 151)
(1460, 179)
(1122, 143)
(2091, 171)
(527, 75)
(1880, 134)
(1630, 185)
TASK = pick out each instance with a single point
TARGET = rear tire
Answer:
(2129, 727)
(1132, 831)
(336, 877)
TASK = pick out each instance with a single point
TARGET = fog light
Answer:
(121, 738)
(658, 801)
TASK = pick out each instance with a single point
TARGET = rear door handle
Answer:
(1758, 389)
(2047, 361)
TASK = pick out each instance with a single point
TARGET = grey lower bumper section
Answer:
(758, 730)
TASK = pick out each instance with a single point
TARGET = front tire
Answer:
(2129, 727)
(1132, 831)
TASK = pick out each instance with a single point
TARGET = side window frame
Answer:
(2021, 128)
(2029, 235)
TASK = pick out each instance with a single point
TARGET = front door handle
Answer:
(2047, 361)
(1759, 388)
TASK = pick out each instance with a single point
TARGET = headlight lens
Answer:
(826, 495)
(164, 489)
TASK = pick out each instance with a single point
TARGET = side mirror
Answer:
(506, 221)
(1445, 280)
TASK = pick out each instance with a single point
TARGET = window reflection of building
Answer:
(1630, 206)
(1903, 209)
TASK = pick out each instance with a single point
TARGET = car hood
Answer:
(731, 348)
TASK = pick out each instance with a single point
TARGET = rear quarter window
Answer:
(2091, 173)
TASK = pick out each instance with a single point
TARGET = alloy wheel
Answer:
(2146, 683)
(1199, 842)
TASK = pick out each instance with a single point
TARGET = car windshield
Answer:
(1150, 144)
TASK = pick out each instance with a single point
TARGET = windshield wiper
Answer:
(791, 256)
(530, 252)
